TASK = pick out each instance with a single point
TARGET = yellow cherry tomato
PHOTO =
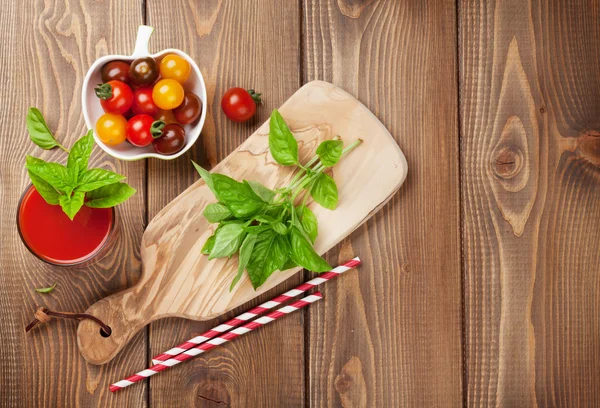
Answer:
(175, 67)
(112, 129)
(167, 94)
(166, 116)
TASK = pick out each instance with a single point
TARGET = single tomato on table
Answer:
(143, 103)
(175, 67)
(140, 129)
(189, 110)
(143, 71)
(239, 105)
(171, 141)
(115, 97)
(115, 70)
(167, 94)
(111, 129)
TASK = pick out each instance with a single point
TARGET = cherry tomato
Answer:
(239, 105)
(166, 116)
(143, 103)
(139, 130)
(143, 71)
(175, 67)
(115, 70)
(171, 141)
(111, 128)
(115, 97)
(189, 110)
(167, 94)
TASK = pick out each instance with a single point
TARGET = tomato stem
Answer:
(104, 91)
(255, 96)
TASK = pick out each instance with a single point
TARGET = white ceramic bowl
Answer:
(92, 109)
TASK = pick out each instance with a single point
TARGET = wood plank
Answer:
(389, 333)
(531, 199)
(253, 45)
(50, 45)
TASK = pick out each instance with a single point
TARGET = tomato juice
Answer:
(53, 237)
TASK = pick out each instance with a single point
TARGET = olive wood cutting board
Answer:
(177, 280)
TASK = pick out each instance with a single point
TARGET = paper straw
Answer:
(217, 341)
(244, 317)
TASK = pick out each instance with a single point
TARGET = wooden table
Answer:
(480, 285)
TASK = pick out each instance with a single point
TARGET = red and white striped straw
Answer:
(186, 355)
(236, 321)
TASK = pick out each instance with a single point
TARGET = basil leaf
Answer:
(265, 194)
(47, 192)
(208, 245)
(71, 204)
(330, 152)
(216, 212)
(53, 173)
(245, 254)
(46, 290)
(80, 153)
(277, 225)
(325, 192)
(96, 178)
(238, 197)
(39, 132)
(206, 176)
(265, 218)
(282, 144)
(227, 240)
(279, 228)
(308, 221)
(289, 264)
(109, 196)
(303, 253)
(270, 253)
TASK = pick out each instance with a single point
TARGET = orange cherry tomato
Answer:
(167, 94)
(112, 129)
(175, 67)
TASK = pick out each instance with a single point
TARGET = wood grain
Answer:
(530, 202)
(252, 44)
(50, 45)
(389, 333)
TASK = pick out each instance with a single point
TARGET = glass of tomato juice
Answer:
(51, 236)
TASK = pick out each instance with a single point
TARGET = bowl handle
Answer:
(142, 40)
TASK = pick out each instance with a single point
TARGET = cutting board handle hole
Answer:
(104, 333)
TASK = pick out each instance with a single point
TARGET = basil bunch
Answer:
(72, 186)
(268, 229)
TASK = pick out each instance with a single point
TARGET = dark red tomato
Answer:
(143, 71)
(189, 110)
(115, 97)
(239, 105)
(139, 130)
(171, 141)
(116, 70)
(143, 103)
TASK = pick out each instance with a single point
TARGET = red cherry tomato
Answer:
(239, 105)
(143, 103)
(139, 131)
(115, 97)
(171, 141)
(118, 70)
(189, 110)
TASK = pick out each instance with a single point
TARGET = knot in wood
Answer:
(507, 162)
(590, 147)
